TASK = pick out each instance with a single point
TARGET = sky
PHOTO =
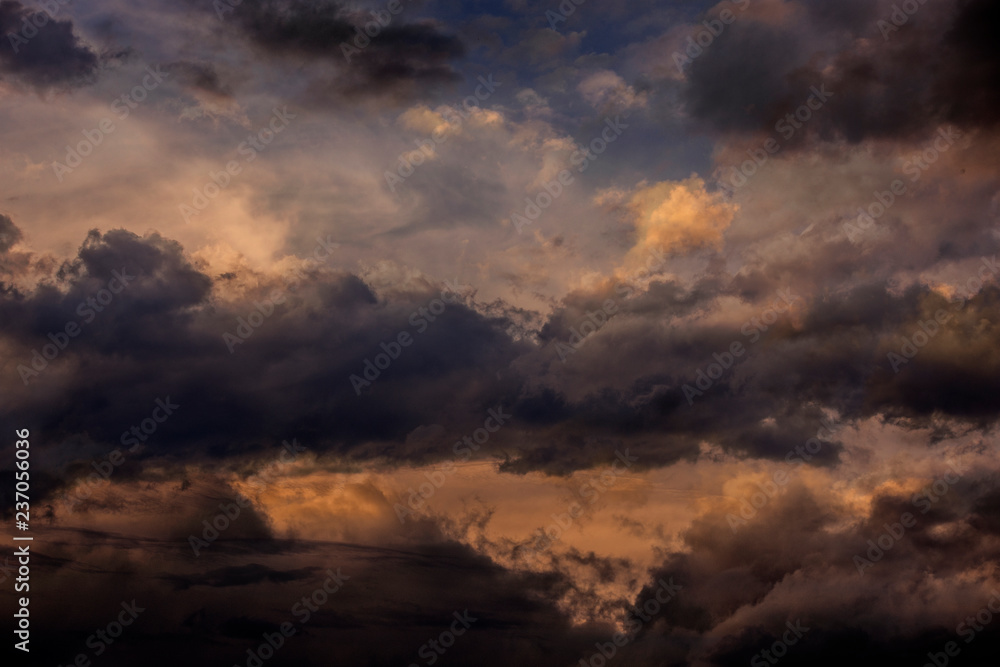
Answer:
(501, 332)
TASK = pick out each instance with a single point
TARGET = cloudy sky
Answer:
(502, 332)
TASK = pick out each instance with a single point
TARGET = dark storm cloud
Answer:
(741, 583)
(957, 376)
(162, 336)
(971, 83)
(403, 59)
(50, 56)
(754, 73)
(734, 92)
(391, 603)
(791, 562)
(794, 561)
(628, 385)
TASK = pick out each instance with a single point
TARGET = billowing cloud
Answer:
(673, 217)
(384, 55)
(43, 51)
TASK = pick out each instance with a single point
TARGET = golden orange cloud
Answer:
(674, 216)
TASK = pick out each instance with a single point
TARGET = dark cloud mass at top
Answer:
(41, 50)
(402, 58)
(877, 89)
